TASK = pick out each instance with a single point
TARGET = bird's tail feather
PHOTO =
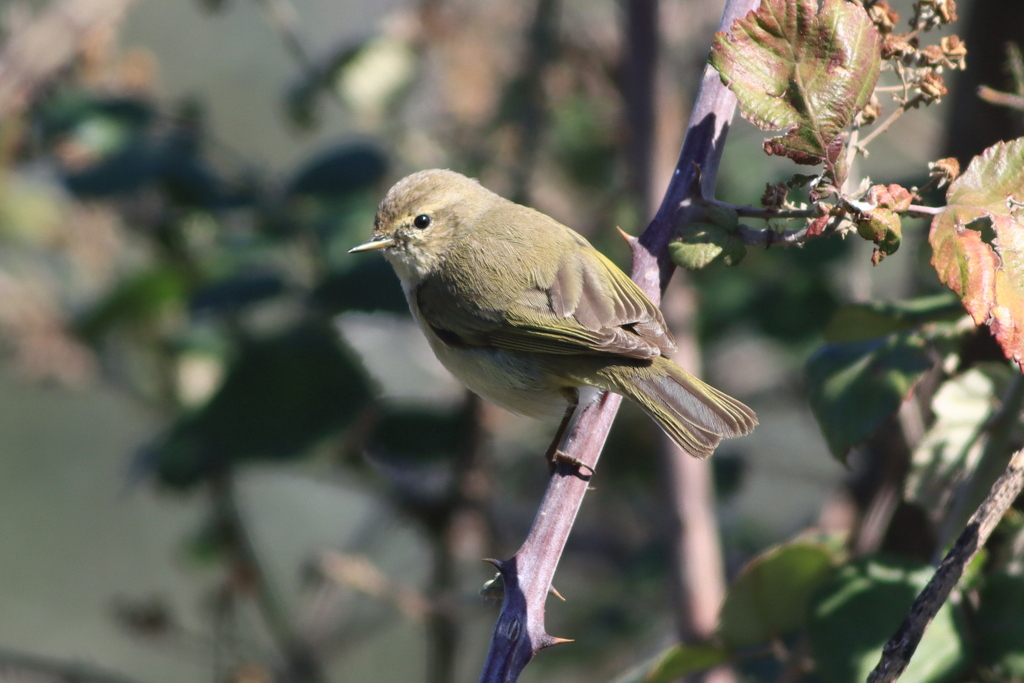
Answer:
(694, 414)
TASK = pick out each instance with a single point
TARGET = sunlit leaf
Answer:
(954, 441)
(795, 69)
(770, 596)
(675, 663)
(855, 386)
(978, 242)
(702, 243)
(859, 608)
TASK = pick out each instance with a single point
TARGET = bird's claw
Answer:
(581, 467)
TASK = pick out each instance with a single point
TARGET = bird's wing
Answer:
(589, 307)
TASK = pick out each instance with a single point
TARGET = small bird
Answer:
(528, 314)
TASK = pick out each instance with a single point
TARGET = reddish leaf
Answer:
(978, 242)
(795, 70)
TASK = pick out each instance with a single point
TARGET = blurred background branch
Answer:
(40, 47)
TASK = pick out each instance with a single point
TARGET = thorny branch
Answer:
(900, 648)
(519, 632)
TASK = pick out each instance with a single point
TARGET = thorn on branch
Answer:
(630, 240)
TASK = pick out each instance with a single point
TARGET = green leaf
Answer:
(860, 607)
(368, 285)
(138, 300)
(702, 243)
(855, 386)
(951, 446)
(769, 598)
(978, 242)
(1000, 628)
(795, 69)
(282, 396)
(417, 435)
(859, 321)
(339, 171)
(676, 662)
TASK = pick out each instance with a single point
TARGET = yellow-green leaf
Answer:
(769, 598)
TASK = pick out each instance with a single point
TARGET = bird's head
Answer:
(420, 217)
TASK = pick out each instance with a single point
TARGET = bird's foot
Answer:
(581, 467)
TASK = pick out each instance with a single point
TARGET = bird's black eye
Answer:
(422, 221)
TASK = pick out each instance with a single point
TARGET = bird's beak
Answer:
(373, 245)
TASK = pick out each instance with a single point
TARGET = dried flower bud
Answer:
(946, 170)
(932, 86)
(933, 55)
(884, 17)
(895, 46)
(774, 196)
(946, 10)
(955, 51)
(871, 111)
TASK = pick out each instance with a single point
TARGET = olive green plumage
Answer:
(525, 311)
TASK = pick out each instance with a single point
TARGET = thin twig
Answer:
(519, 632)
(884, 125)
(283, 18)
(770, 237)
(1003, 99)
(748, 211)
(898, 651)
(919, 211)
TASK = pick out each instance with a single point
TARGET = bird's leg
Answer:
(555, 455)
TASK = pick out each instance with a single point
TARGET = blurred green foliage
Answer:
(220, 284)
